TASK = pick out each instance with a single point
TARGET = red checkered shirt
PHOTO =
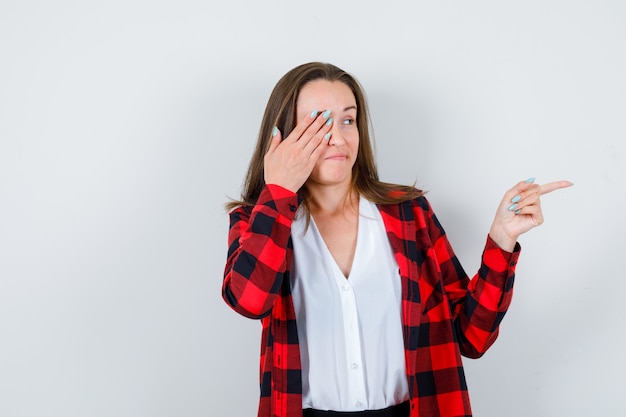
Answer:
(444, 313)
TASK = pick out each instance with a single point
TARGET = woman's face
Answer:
(334, 166)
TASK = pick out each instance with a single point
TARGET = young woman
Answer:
(365, 308)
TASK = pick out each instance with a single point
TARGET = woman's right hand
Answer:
(289, 162)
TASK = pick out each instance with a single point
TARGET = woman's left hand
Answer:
(520, 211)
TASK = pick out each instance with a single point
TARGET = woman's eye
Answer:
(348, 122)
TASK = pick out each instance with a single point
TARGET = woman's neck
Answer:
(327, 200)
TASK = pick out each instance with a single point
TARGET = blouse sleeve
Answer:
(258, 245)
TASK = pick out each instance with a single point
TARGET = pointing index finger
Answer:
(552, 186)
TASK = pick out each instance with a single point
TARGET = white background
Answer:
(125, 125)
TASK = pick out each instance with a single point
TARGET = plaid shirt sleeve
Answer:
(477, 305)
(258, 243)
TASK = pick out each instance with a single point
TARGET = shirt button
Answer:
(358, 403)
(346, 288)
(355, 366)
(292, 207)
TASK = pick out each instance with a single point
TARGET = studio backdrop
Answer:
(126, 125)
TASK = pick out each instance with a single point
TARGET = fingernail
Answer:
(326, 114)
(329, 122)
(313, 114)
(327, 136)
(518, 211)
(274, 131)
(529, 180)
(513, 207)
(516, 199)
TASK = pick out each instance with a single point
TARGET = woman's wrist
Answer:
(505, 242)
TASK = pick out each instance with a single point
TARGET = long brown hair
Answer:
(281, 112)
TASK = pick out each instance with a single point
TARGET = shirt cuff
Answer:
(498, 259)
(282, 200)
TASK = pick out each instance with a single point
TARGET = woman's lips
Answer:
(336, 157)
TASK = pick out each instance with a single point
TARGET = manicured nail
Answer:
(529, 180)
(516, 199)
(329, 122)
(518, 211)
(274, 131)
(314, 114)
(327, 136)
(326, 114)
(513, 207)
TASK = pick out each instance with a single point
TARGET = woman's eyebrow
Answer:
(349, 108)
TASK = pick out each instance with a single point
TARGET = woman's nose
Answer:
(335, 136)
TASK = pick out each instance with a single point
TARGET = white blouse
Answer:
(350, 330)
